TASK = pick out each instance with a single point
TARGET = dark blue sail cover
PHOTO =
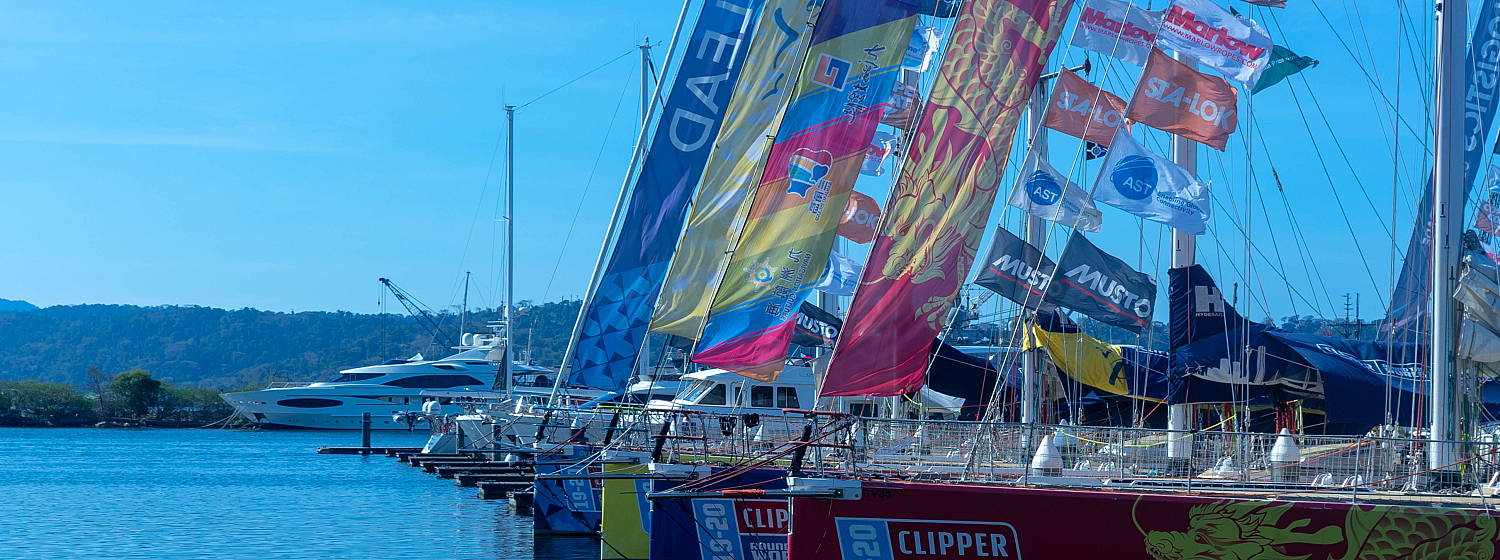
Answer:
(1219, 356)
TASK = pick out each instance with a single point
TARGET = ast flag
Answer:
(841, 277)
(861, 215)
(1043, 192)
(1115, 28)
(1171, 96)
(1081, 110)
(1237, 47)
(1137, 181)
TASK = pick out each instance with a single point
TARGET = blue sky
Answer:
(285, 155)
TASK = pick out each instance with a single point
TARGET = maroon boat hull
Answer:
(911, 520)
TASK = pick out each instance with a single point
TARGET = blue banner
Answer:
(1409, 302)
(615, 323)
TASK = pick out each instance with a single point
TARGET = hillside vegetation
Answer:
(219, 348)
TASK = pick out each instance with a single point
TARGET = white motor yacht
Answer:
(388, 391)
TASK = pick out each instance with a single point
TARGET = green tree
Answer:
(136, 392)
(42, 403)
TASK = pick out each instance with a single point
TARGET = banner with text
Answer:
(1234, 46)
(1117, 29)
(1081, 110)
(1173, 97)
(997, 52)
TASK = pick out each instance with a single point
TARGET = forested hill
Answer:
(221, 348)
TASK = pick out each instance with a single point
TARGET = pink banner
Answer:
(942, 201)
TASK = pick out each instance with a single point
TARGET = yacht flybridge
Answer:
(388, 391)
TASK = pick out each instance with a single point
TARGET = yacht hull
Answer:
(910, 520)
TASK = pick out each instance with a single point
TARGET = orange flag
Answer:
(1173, 97)
(1081, 110)
(861, 215)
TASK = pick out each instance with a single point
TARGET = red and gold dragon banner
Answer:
(941, 203)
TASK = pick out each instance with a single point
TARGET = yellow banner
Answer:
(754, 114)
(1087, 360)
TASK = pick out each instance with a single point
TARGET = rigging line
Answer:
(1275, 244)
(1313, 95)
(586, 184)
(632, 50)
(1307, 267)
(1389, 106)
(1363, 40)
(1262, 253)
(1342, 210)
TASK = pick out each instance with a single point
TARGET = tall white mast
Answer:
(1036, 234)
(510, 247)
(1185, 154)
(1447, 231)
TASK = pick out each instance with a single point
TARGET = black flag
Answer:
(815, 327)
(1017, 270)
(1103, 287)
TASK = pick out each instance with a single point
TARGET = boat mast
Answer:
(1184, 245)
(1447, 208)
(463, 315)
(1036, 235)
(510, 245)
(565, 369)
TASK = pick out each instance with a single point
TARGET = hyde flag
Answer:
(1173, 97)
(1137, 181)
(1043, 192)
(1081, 110)
(1237, 47)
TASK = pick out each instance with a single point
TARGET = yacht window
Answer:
(738, 396)
(786, 397)
(696, 390)
(405, 400)
(760, 397)
(309, 403)
(345, 378)
(866, 410)
(714, 396)
(433, 381)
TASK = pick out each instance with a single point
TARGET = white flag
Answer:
(1137, 181)
(1043, 192)
(1492, 179)
(841, 277)
(1235, 46)
(1115, 28)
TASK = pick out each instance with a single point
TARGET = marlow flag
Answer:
(1081, 110)
(1174, 97)
(1137, 181)
(1043, 192)
(1234, 46)
(1117, 29)
(1283, 63)
(861, 214)
(1268, 3)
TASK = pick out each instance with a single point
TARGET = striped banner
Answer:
(941, 203)
(615, 320)
(852, 64)
(776, 53)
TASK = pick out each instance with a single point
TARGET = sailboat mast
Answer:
(1447, 208)
(1184, 245)
(1036, 234)
(510, 245)
(565, 369)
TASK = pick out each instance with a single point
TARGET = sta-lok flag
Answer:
(1043, 192)
(1173, 97)
(1081, 110)
(861, 215)
(1117, 29)
(1236, 47)
(1137, 181)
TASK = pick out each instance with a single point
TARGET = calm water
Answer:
(156, 493)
